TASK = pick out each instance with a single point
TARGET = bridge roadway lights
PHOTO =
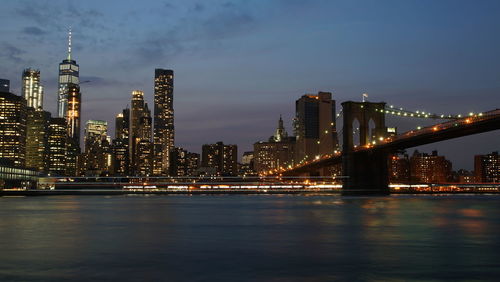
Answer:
(367, 173)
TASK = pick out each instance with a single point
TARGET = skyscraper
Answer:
(73, 121)
(315, 127)
(69, 72)
(120, 147)
(140, 145)
(163, 120)
(13, 128)
(73, 114)
(32, 89)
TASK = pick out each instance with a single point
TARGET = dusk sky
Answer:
(240, 64)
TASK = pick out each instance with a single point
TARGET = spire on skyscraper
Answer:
(69, 44)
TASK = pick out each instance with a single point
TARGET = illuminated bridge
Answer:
(365, 166)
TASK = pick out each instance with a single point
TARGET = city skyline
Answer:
(249, 140)
(249, 103)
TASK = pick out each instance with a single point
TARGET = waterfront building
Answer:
(37, 134)
(140, 143)
(32, 88)
(463, 176)
(425, 168)
(164, 132)
(183, 163)
(399, 168)
(277, 152)
(12, 176)
(487, 168)
(13, 113)
(273, 155)
(315, 126)
(57, 140)
(223, 158)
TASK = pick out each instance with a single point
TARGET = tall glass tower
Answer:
(163, 120)
(69, 73)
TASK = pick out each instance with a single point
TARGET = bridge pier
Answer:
(367, 173)
(366, 169)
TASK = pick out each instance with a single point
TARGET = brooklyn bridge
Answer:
(365, 165)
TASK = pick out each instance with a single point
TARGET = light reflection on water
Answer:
(250, 238)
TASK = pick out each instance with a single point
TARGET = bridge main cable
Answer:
(419, 114)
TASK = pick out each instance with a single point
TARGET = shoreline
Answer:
(21, 193)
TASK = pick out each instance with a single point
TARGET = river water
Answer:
(250, 238)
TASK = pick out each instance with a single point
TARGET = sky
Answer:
(240, 64)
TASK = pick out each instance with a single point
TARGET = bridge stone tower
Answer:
(366, 169)
(363, 112)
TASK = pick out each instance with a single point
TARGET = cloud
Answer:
(196, 29)
(169, 5)
(11, 53)
(56, 16)
(99, 81)
(33, 30)
(199, 7)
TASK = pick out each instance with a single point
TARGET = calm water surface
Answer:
(250, 238)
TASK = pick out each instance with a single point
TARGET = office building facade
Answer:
(140, 143)
(37, 134)
(183, 163)
(222, 158)
(315, 126)
(120, 145)
(425, 168)
(57, 141)
(73, 115)
(487, 168)
(98, 157)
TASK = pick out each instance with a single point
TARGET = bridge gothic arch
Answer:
(364, 112)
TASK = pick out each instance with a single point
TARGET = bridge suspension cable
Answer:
(420, 114)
